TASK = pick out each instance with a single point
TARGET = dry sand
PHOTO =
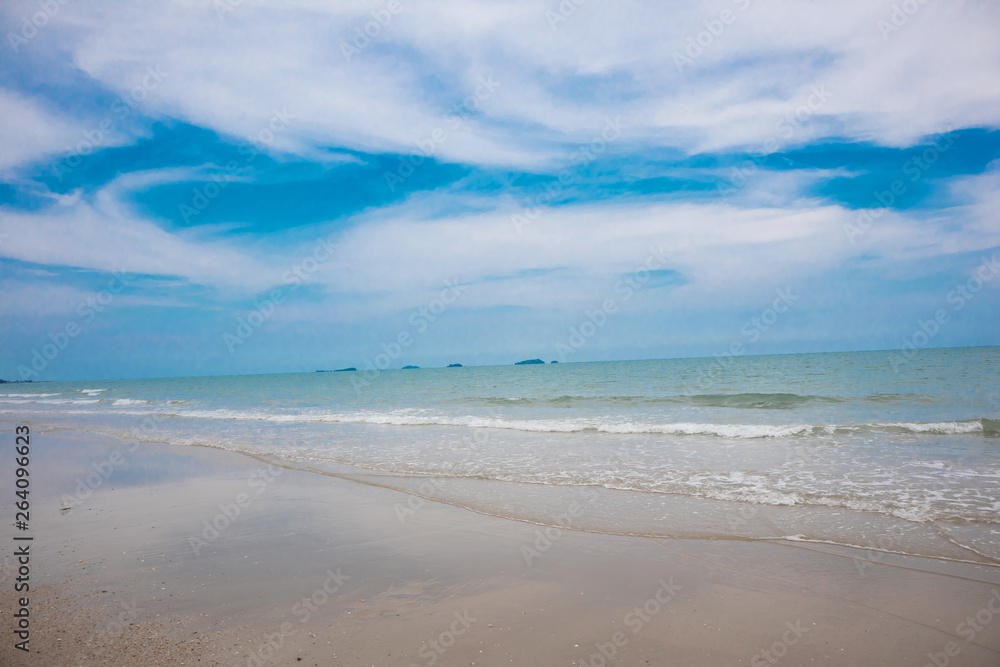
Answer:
(317, 570)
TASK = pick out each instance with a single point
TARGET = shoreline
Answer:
(903, 529)
(387, 588)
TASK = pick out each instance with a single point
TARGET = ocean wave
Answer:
(919, 490)
(881, 399)
(941, 428)
(756, 401)
(405, 418)
(566, 400)
(581, 424)
(721, 430)
(775, 488)
(28, 395)
(92, 392)
(597, 424)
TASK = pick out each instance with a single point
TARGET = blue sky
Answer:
(198, 188)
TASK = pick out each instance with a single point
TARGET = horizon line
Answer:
(560, 363)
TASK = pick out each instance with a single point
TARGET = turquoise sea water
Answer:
(845, 448)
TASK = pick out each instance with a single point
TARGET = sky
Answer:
(206, 188)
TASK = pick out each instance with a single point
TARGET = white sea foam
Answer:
(944, 428)
(574, 425)
(721, 430)
(848, 474)
(415, 418)
(797, 436)
(28, 395)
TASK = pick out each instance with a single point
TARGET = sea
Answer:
(889, 452)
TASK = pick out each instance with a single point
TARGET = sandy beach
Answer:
(196, 556)
(500, 333)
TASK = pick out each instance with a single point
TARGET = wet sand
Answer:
(308, 569)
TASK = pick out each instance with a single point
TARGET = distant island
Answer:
(405, 368)
(529, 361)
(553, 362)
(341, 370)
(454, 365)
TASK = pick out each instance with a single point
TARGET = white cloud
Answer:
(941, 69)
(401, 256)
(30, 132)
(107, 235)
(39, 299)
(400, 260)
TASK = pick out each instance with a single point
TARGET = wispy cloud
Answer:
(222, 150)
